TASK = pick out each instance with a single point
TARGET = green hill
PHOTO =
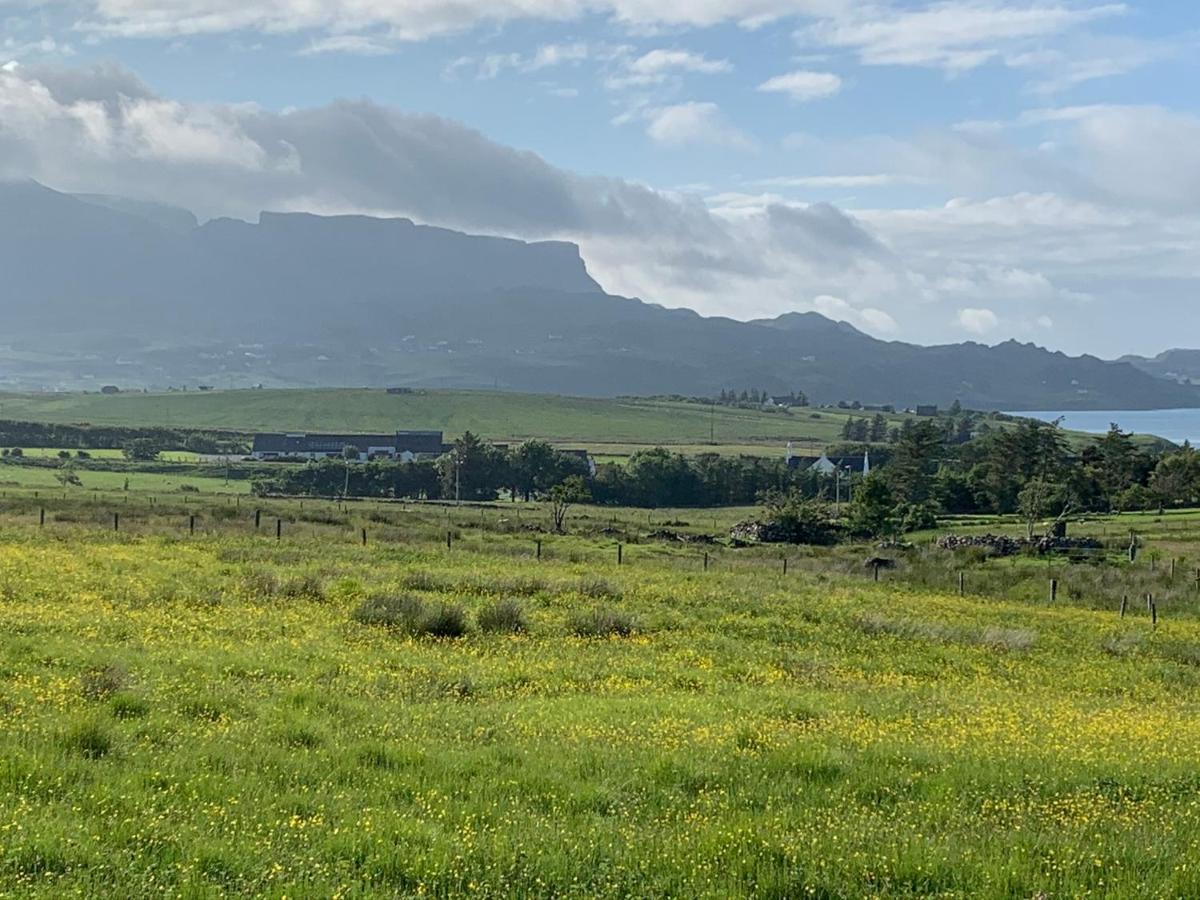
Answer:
(616, 424)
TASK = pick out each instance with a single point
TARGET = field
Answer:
(608, 427)
(224, 712)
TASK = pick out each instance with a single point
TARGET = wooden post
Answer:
(1153, 614)
(539, 547)
(191, 524)
(962, 583)
(364, 537)
(116, 521)
(1149, 602)
(42, 517)
(278, 529)
(705, 560)
(785, 565)
(1124, 603)
(257, 518)
(1053, 590)
(875, 572)
(449, 540)
(1172, 568)
(619, 554)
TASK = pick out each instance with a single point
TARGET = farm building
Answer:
(402, 445)
(828, 465)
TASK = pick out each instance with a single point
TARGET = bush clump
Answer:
(101, 682)
(503, 616)
(412, 615)
(604, 622)
(389, 612)
(445, 620)
(89, 739)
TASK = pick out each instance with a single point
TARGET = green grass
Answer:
(223, 714)
(12, 476)
(499, 416)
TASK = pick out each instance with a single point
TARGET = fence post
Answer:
(619, 554)
(191, 524)
(1153, 614)
(785, 565)
(705, 560)
(539, 547)
(1124, 603)
(1053, 590)
(278, 529)
(116, 521)
(257, 518)
(1149, 602)
(449, 540)
(42, 517)
(364, 537)
(962, 583)
(1172, 568)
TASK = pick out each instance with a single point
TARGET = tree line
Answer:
(929, 469)
(103, 437)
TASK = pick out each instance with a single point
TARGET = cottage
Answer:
(829, 465)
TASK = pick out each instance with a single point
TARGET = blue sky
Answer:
(929, 171)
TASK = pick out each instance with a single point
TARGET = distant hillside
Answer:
(502, 416)
(1177, 365)
(97, 290)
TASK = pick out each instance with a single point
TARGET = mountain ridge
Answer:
(116, 291)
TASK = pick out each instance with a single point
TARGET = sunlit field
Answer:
(199, 708)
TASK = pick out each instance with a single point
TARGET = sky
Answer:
(926, 171)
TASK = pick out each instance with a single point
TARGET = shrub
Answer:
(129, 706)
(305, 587)
(88, 739)
(260, 583)
(390, 612)
(412, 615)
(597, 588)
(503, 615)
(447, 620)
(605, 622)
(101, 682)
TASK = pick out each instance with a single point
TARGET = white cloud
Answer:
(657, 62)
(660, 66)
(955, 36)
(803, 86)
(875, 321)
(352, 44)
(821, 182)
(978, 321)
(546, 56)
(694, 123)
(418, 19)
(13, 49)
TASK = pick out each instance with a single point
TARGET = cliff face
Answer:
(100, 289)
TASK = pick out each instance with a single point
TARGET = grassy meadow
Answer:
(607, 427)
(223, 712)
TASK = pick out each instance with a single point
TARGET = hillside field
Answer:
(610, 427)
(226, 713)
